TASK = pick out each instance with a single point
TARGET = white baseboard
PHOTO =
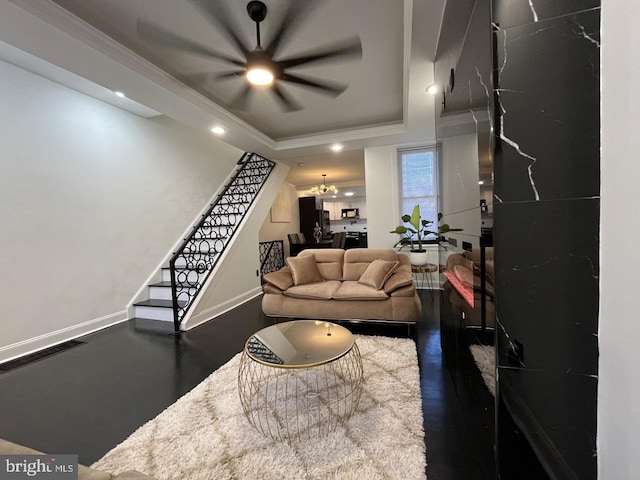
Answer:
(31, 345)
(219, 309)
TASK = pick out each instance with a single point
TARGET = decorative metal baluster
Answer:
(271, 257)
(197, 256)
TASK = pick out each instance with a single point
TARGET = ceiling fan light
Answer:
(260, 76)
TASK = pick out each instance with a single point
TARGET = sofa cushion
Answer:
(314, 291)
(397, 280)
(281, 279)
(377, 273)
(352, 290)
(304, 270)
(356, 260)
(328, 260)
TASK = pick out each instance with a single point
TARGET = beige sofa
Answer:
(463, 274)
(84, 473)
(334, 284)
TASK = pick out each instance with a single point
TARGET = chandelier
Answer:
(324, 188)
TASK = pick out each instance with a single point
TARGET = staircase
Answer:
(193, 262)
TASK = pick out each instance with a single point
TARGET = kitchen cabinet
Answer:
(335, 208)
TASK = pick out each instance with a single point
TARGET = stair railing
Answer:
(271, 257)
(192, 263)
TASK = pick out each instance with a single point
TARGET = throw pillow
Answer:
(464, 275)
(280, 279)
(304, 270)
(377, 273)
(398, 280)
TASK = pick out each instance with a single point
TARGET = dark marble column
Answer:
(546, 232)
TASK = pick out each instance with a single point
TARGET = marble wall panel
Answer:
(549, 143)
(510, 13)
(548, 407)
(547, 280)
(546, 231)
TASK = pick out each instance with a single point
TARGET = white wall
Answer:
(278, 230)
(383, 207)
(92, 198)
(619, 332)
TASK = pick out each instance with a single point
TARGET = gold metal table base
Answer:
(299, 403)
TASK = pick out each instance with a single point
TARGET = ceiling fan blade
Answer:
(233, 74)
(288, 103)
(350, 49)
(206, 77)
(293, 18)
(242, 99)
(153, 33)
(217, 15)
(326, 87)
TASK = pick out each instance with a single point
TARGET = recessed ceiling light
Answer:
(218, 130)
(336, 147)
(119, 94)
(481, 182)
(432, 89)
(300, 164)
(348, 194)
(334, 196)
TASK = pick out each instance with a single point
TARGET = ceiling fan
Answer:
(260, 67)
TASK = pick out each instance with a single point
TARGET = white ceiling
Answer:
(96, 42)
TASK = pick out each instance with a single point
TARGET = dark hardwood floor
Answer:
(89, 398)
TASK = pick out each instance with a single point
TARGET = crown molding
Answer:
(93, 39)
(79, 30)
(341, 136)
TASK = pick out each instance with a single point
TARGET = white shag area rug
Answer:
(485, 358)
(205, 435)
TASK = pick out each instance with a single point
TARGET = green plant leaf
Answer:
(415, 217)
(401, 230)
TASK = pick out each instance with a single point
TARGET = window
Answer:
(419, 182)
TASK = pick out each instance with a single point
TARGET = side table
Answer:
(424, 272)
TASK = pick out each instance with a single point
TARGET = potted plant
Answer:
(420, 228)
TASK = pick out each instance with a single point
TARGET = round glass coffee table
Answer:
(300, 379)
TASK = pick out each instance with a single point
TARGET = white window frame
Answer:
(435, 183)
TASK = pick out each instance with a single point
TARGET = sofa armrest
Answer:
(406, 291)
(282, 279)
(398, 280)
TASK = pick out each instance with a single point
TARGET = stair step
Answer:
(209, 237)
(162, 291)
(154, 313)
(190, 272)
(154, 303)
(202, 249)
(182, 262)
(217, 225)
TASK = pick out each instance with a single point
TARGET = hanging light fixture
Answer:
(324, 188)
